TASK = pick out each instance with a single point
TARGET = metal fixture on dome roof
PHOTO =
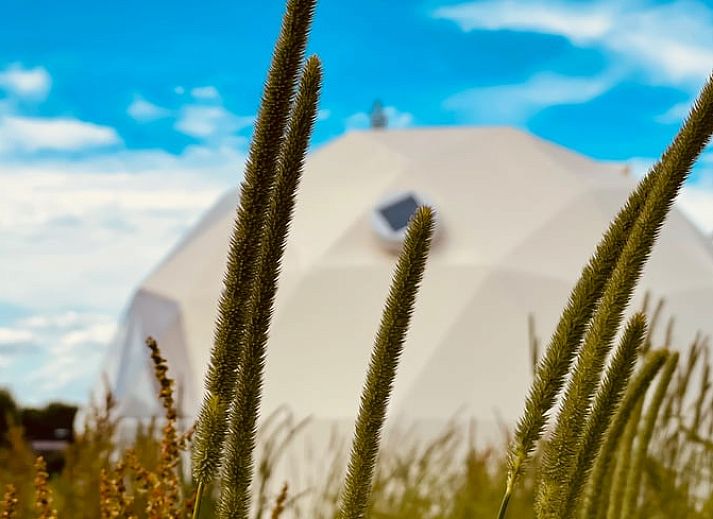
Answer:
(378, 117)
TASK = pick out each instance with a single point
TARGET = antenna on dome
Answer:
(378, 117)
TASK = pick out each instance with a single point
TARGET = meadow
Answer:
(615, 424)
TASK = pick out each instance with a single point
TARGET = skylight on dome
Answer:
(398, 213)
(391, 216)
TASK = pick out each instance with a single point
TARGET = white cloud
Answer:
(357, 121)
(205, 93)
(579, 23)
(82, 233)
(96, 333)
(144, 111)
(24, 82)
(31, 134)
(209, 122)
(670, 42)
(676, 113)
(11, 336)
(513, 104)
(324, 114)
(64, 357)
(395, 119)
(68, 319)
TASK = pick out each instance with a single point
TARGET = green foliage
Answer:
(9, 412)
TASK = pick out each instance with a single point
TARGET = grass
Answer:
(610, 449)
(449, 477)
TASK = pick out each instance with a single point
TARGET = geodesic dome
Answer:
(518, 217)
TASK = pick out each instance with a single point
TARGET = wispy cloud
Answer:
(60, 354)
(84, 232)
(676, 113)
(81, 234)
(205, 93)
(514, 104)
(669, 42)
(25, 82)
(145, 111)
(580, 23)
(14, 336)
(31, 134)
(203, 118)
(80, 230)
(209, 122)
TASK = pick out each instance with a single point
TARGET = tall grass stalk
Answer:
(596, 495)
(558, 356)
(675, 165)
(633, 481)
(623, 463)
(383, 364)
(238, 462)
(260, 172)
(604, 407)
(641, 217)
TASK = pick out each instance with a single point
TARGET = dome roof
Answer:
(518, 218)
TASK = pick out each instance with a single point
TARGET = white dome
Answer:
(518, 218)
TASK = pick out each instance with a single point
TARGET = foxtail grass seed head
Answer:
(384, 361)
(259, 176)
(596, 493)
(106, 499)
(653, 196)
(170, 448)
(238, 467)
(633, 483)
(565, 499)
(623, 464)
(675, 166)
(559, 354)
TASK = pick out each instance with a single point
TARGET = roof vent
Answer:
(378, 117)
(390, 217)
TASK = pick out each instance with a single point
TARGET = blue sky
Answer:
(120, 122)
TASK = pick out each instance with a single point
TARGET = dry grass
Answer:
(448, 478)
